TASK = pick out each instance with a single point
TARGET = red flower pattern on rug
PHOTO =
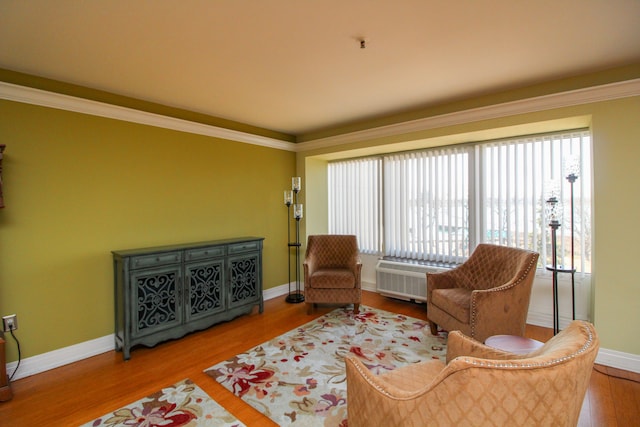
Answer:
(182, 404)
(298, 378)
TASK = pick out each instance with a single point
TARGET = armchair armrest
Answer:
(310, 262)
(492, 310)
(442, 280)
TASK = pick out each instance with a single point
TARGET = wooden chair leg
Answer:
(356, 308)
(434, 328)
(310, 307)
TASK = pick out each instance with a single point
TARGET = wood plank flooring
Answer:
(78, 393)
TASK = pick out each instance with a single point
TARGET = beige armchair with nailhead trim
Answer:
(486, 295)
(479, 385)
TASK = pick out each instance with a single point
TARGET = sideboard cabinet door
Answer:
(205, 281)
(245, 279)
(157, 299)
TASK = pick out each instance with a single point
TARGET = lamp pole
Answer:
(572, 177)
(553, 214)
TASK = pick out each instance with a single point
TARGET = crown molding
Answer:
(530, 105)
(44, 98)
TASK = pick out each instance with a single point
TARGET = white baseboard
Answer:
(63, 356)
(56, 358)
(617, 359)
(277, 291)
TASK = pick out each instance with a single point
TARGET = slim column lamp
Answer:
(572, 169)
(291, 199)
(552, 215)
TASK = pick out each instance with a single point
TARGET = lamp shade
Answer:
(553, 211)
(288, 197)
(572, 168)
(296, 183)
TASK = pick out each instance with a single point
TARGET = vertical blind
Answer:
(516, 178)
(426, 202)
(354, 201)
(438, 204)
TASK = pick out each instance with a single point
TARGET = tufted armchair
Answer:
(486, 295)
(479, 385)
(332, 270)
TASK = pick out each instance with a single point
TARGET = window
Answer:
(437, 204)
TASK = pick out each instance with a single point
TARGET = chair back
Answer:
(332, 250)
(490, 266)
(544, 387)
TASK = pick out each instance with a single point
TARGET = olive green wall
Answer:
(616, 149)
(77, 187)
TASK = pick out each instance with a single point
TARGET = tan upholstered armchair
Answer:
(487, 295)
(332, 271)
(479, 385)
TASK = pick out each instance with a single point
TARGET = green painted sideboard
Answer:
(166, 292)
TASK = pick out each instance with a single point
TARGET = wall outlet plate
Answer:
(10, 323)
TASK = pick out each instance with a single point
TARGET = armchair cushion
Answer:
(456, 302)
(331, 278)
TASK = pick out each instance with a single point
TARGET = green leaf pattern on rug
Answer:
(298, 378)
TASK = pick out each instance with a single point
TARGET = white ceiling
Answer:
(296, 66)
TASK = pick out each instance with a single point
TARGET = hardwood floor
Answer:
(78, 393)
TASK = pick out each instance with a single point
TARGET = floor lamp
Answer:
(572, 169)
(291, 199)
(554, 223)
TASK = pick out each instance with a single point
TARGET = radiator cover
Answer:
(403, 280)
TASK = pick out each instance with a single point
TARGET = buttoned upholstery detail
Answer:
(486, 295)
(332, 270)
(479, 385)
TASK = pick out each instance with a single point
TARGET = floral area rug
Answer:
(299, 379)
(182, 404)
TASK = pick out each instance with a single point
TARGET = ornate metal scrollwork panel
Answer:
(244, 280)
(157, 299)
(205, 288)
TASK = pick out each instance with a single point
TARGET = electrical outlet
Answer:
(10, 322)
